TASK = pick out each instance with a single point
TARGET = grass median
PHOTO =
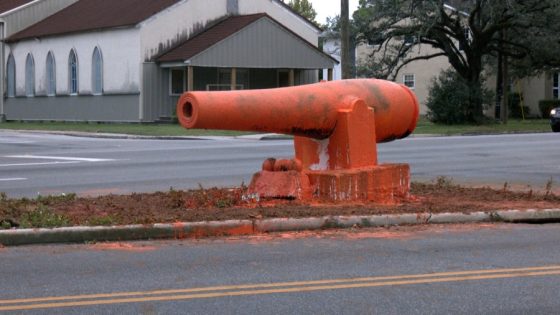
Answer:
(149, 129)
(220, 204)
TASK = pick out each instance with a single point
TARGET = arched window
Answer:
(11, 68)
(97, 72)
(51, 75)
(73, 73)
(29, 76)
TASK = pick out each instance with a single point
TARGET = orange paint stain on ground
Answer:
(384, 233)
(200, 232)
(380, 235)
(126, 247)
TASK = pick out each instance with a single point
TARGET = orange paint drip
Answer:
(127, 247)
(179, 231)
(201, 232)
(336, 125)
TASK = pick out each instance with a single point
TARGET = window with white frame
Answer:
(224, 80)
(11, 69)
(73, 73)
(556, 85)
(178, 81)
(97, 72)
(51, 75)
(29, 76)
(409, 81)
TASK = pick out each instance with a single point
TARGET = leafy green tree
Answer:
(305, 8)
(467, 32)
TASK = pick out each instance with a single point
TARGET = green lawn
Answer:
(424, 127)
(120, 128)
(528, 125)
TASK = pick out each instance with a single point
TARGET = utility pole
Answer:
(345, 39)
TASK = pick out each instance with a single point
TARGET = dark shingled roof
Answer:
(7, 5)
(88, 15)
(209, 37)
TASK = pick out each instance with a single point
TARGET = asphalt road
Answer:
(453, 269)
(32, 164)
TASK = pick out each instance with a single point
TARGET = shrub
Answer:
(448, 100)
(546, 105)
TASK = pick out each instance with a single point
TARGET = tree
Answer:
(467, 32)
(305, 8)
(345, 39)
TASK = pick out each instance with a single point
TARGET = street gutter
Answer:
(184, 230)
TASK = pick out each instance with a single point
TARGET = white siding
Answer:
(176, 23)
(121, 56)
(283, 15)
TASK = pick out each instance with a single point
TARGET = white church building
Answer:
(129, 60)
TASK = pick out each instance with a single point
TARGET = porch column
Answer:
(190, 78)
(291, 80)
(233, 78)
(329, 74)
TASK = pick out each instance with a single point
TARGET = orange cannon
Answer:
(336, 125)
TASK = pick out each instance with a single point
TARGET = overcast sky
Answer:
(330, 8)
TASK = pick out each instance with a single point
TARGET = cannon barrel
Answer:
(305, 110)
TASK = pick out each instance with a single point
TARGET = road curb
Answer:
(121, 136)
(183, 230)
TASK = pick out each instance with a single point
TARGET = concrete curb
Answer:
(248, 227)
(256, 137)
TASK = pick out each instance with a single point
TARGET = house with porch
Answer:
(129, 60)
(419, 74)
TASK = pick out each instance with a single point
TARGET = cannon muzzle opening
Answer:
(187, 111)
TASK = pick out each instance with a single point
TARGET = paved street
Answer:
(453, 269)
(32, 164)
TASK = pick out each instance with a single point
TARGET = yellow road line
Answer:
(300, 287)
(277, 284)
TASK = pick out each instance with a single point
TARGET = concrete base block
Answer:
(384, 183)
